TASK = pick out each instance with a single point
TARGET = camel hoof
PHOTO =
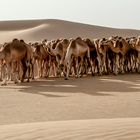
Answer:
(100, 74)
(115, 74)
(66, 78)
(28, 80)
(16, 82)
(46, 77)
(3, 84)
(93, 74)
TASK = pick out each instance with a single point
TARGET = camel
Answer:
(111, 54)
(57, 50)
(13, 53)
(1, 64)
(135, 42)
(125, 53)
(93, 55)
(77, 49)
(42, 58)
(101, 49)
(60, 52)
(1, 69)
(138, 49)
(50, 47)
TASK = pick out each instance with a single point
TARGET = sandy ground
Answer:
(100, 129)
(112, 102)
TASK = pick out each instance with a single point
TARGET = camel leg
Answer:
(116, 64)
(105, 64)
(92, 64)
(6, 73)
(39, 68)
(24, 68)
(68, 70)
(100, 65)
(58, 70)
(15, 72)
(77, 68)
(47, 68)
(138, 62)
(32, 69)
(1, 65)
(42, 67)
(122, 65)
(28, 64)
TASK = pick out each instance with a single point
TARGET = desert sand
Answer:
(88, 108)
(99, 108)
(100, 129)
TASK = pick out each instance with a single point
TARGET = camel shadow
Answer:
(93, 86)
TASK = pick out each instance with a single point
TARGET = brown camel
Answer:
(42, 58)
(13, 53)
(101, 49)
(135, 42)
(125, 51)
(93, 55)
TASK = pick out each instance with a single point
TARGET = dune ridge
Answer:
(97, 129)
(37, 30)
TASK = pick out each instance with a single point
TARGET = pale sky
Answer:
(111, 13)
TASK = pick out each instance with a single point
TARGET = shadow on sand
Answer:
(94, 86)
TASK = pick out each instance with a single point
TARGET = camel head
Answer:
(102, 45)
(132, 41)
(44, 42)
(119, 42)
(138, 41)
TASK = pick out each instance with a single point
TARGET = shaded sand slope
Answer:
(55, 99)
(36, 30)
(100, 129)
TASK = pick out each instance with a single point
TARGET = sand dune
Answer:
(37, 30)
(100, 129)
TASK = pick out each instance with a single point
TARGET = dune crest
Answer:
(98, 129)
(37, 30)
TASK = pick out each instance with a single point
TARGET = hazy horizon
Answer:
(109, 13)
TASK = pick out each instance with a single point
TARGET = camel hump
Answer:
(73, 44)
(65, 41)
(79, 40)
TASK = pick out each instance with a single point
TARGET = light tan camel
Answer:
(77, 49)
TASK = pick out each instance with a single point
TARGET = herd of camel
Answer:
(68, 57)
